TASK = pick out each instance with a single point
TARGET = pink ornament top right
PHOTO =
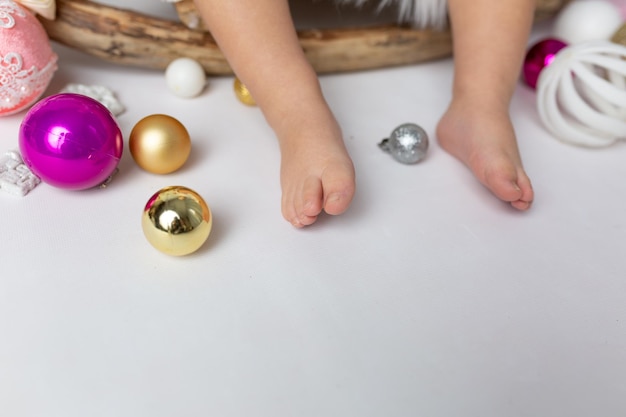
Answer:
(621, 5)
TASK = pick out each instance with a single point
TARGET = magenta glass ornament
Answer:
(71, 141)
(539, 56)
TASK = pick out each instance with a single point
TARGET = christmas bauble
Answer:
(159, 144)
(176, 220)
(407, 143)
(587, 20)
(185, 77)
(242, 93)
(71, 141)
(539, 56)
(27, 62)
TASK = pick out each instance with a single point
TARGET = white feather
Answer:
(421, 13)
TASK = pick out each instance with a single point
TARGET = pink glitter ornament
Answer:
(71, 141)
(27, 62)
(539, 56)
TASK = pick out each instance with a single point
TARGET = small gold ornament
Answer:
(176, 220)
(243, 94)
(620, 35)
(159, 144)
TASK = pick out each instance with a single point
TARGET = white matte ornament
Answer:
(185, 77)
(581, 95)
(587, 20)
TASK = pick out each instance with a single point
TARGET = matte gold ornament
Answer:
(159, 144)
(176, 221)
(243, 94)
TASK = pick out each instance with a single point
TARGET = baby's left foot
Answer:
(484, 140)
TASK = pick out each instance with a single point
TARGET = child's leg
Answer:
(260, 42)
(490, 38)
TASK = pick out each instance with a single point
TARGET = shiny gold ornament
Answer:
(159, 144)
(243, 94)
(176, 221)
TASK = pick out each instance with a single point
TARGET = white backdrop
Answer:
(428, 298)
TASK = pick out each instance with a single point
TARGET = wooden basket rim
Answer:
(131, 38)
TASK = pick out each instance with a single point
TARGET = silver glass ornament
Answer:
(407, 143)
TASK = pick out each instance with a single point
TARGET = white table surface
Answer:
(427, 298)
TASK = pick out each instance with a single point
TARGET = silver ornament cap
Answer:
(408, 143)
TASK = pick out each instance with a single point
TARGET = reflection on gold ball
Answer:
(243, 94)
(176, 221)
(159, 144)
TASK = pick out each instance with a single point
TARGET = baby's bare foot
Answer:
(316, 172)
(484, 140)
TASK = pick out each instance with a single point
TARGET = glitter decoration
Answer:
(98, 92)
(620, 35)
(242, 93)
(407, 143)
(27, 61)
(15, 177)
